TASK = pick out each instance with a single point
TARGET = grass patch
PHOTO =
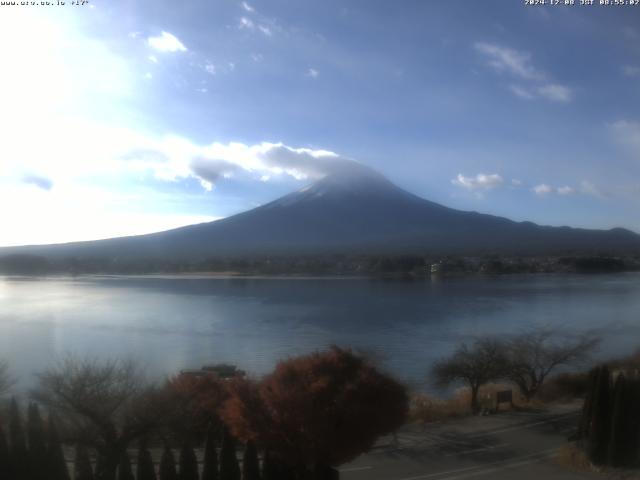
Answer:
(429, 409)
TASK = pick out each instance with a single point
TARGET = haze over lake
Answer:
(171, 323)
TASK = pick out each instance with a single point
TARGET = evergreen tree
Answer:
(18, 444)
(269, 468)
(633, 423)
(286, 472)
(600, 427)
(37, 443)
(145, 470)
(5, 463)
(617, 437)
(229, 469)
(250, 462)
(168, 465)
(82, 464)
(124, 468)
(274, 469)
(210, 467)
(587, 407)
(625, 427)
(56, 463)
(100, 466)
(188, 463)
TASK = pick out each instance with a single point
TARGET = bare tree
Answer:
(104, 405)
(475, 364)
(535, 353)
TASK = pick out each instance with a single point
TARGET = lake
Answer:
(170, 323)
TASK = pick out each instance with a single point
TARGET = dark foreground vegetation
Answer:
(609, 430)
(376, 265)
(312, 414)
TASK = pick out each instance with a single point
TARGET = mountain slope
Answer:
(357, 210)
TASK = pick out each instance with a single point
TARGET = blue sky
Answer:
(122, 117)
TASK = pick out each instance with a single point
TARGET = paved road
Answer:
(506, 446)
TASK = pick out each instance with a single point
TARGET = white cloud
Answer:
(518, 64)
(550, 91)
(246, 23)
(60, 157)
(301, 163)
(209, 171)
(153, 58)
(247, 7)
(215, 69)
(542, 189)
(265, 30)
(174, 158)
(80, 171)
(555, 92)
(631, 70)
(210, 68)
(508, 60)
(313, 73)
(515, 182)
(74, 150)
(480, 182)
(522, 92)
(565, 190)
(166, 42)
(586, 188)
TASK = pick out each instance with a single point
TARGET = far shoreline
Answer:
(298, 276)
(382, 265)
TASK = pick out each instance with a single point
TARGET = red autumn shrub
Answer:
(195, 401)
(322, 409)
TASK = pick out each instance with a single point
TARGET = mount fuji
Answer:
(353, 210)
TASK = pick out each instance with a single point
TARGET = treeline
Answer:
(289, 264)
(405, 265)
(310, 415)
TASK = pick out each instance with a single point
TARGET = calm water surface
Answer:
(170, 323)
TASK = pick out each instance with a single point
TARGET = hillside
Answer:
(356, 211)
